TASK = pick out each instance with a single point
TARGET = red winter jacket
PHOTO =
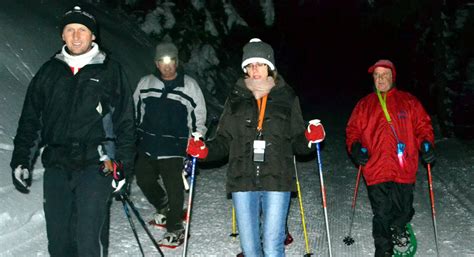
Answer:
(369, 126)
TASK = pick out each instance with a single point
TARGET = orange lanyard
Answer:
(262, 105)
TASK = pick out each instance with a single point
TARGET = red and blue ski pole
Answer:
(196, 136)
(433, 212)
(323, 192)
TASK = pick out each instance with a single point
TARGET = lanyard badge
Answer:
(259, 149)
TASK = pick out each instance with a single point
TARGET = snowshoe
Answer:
(405, 243)
(172, 239)
(159, 220)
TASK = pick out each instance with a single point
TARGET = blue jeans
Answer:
(272, 208)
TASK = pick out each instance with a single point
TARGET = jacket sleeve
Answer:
(137, 100)
(354, 126)
(219, 145)
(123, 120)
(422, 124)
(299, 141)
(200, 110)
(28, 135)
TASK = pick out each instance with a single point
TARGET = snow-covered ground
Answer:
(29, 38)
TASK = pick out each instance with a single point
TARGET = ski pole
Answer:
(433, 212)
(303, 222)
(234, 224)
(323, 192)
(190, 202)
(348, 240)
(132, 225)
(142, 222)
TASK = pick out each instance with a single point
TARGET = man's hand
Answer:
(119, 180)
(21, 179)
(359, 154)
(196, 147)
(315, 132)
(427, 152)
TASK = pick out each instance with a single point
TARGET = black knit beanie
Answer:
(77, 15)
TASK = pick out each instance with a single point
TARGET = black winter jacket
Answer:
(283, 132)
(72, 114)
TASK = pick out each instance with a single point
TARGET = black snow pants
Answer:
(392, 206)
(76, 206)
(148, 172)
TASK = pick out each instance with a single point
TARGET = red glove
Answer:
(196, 147)
(315, 132)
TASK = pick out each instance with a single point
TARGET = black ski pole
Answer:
(348, 240)
(132, 225)
(142, 222)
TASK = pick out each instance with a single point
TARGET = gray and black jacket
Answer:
(283, 132)
(71, 115)
(166, 115)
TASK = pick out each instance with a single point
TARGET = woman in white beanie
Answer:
(260, 131)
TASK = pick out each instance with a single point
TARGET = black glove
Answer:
(21, 177)
(427, 152)
(359, 154)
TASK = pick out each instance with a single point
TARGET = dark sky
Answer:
(325, 47)
(323, 50)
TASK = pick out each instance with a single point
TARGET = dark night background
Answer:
(323, 49)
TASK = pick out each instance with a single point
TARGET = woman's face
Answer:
(257, 70)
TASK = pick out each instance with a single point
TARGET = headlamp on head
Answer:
(167, 59)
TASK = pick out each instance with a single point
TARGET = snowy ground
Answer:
(24, 47)
(22, 219)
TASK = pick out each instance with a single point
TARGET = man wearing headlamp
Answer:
(169, 107)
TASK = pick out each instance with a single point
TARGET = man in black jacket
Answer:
(80, 109)
(169, 107)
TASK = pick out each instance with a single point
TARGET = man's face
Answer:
(78, 38)
(382, 79)
(257, 70)
(167, 67)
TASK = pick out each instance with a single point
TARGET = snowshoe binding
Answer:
(159, 220)
(172, 239)
(404, 242)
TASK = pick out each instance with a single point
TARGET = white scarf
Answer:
(260, 87)
(76, 62)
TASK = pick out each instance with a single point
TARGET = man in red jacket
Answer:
(386, 130)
